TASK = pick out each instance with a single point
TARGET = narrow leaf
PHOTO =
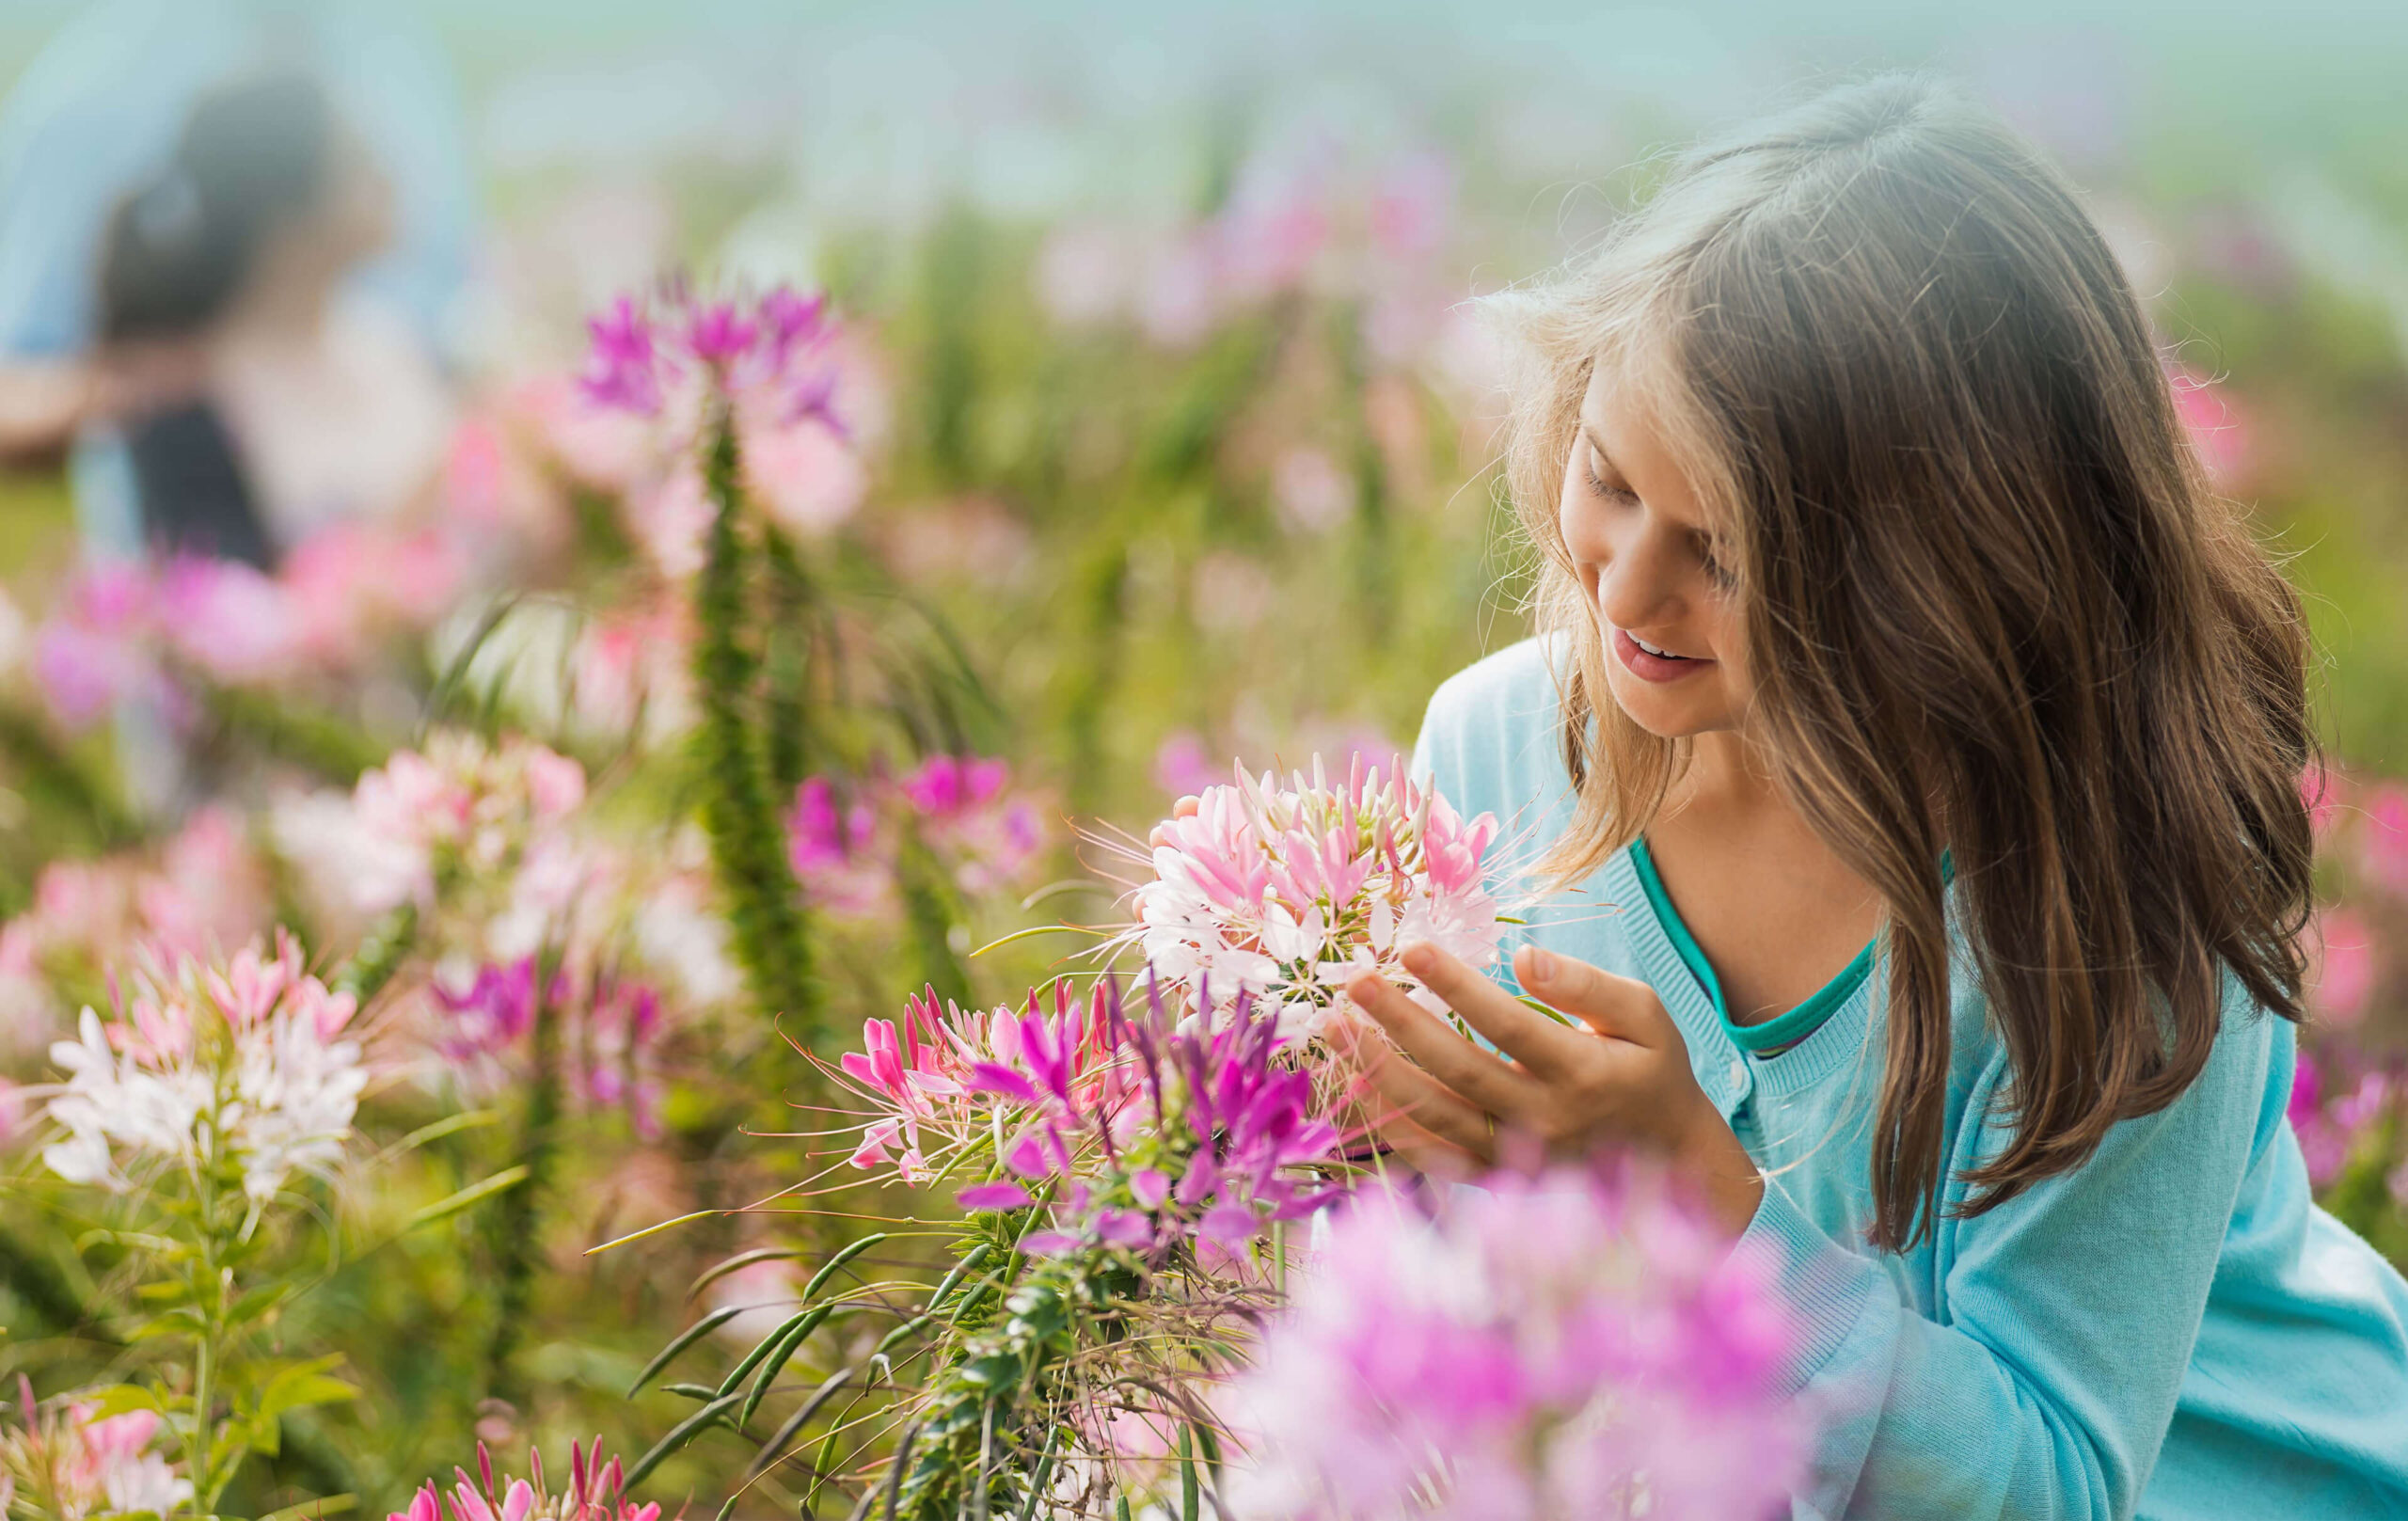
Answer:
(679, 1435)
(648, 1231)
(685, 1339)
(819, 1279)
(508, 1178)
(743, 1260)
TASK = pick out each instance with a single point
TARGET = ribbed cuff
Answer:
(1827, 1286)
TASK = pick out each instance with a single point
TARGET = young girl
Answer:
(1927, 743)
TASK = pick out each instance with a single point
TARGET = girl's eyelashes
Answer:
(1596, 483)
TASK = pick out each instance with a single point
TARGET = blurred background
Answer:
(1161, 421)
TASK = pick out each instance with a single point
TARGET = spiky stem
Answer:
(738, 813)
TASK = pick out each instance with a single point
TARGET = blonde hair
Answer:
(1989, 605)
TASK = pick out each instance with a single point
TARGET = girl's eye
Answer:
(1596, 483)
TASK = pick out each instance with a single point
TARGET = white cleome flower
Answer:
(274, 1091)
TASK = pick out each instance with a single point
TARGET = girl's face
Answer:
(1641, 544)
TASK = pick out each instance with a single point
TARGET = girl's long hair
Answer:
(1991, 605)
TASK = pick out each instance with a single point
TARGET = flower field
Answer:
(768, 947)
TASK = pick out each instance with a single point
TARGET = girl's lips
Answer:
(1655, 667)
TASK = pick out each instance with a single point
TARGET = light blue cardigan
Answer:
(2172, 1330)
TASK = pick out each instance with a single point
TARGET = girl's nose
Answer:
(1634, 584)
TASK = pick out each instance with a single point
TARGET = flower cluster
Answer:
(208, 1068)
(843, 839)
(1135, 1133)
(1288, 223)
(609, 1028)
(595, 1491)
(204, 888)
(459, 808)
(770, 360)
(1537, 1348)
(64, 1464)
(1285, 893)
(923, 1074)
(127, 630)
(2335, 1129)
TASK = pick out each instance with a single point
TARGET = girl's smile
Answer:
(1651, 663)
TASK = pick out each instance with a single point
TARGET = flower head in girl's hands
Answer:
(1285, 893)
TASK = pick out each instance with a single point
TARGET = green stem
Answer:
(785, 708)
(518, 1221)
(210, 1298)
(747, 839)
(52, 779)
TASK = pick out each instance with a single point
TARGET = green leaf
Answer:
(682, 1340)
(257, 1302)
(799, 1331)
(679, 1435)
(122, 1398)
(1191, 1505)
(448, 1125)
(508, 1178)
(769, 1344)
(744, 1259)
(296, 1385)
(774, 1448)
(819, 1279)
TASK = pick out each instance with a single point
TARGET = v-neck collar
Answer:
(1723, 1067)
(1773, 1035)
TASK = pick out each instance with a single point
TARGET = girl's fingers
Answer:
(1415, 1097)
(1617, 1006)
(1539, 1043)
(1455, 1062)
(1426, 1154)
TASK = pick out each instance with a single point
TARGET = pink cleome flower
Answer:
(1551, 1346)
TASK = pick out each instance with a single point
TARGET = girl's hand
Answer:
(1628, 1084)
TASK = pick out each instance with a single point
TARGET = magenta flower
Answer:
(718, 335)
(967, 816)
(1536, 1348)
(1218, 1105)
(2332, 1131)
(596, 1491)
(624, 372)
(840, 858)
(754, 352)
(492, 1014)
(938, 1078)
(2383, 839)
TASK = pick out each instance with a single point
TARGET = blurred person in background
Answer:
(310, 403)
(97, 121)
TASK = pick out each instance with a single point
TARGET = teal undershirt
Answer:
(1773, 1035)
